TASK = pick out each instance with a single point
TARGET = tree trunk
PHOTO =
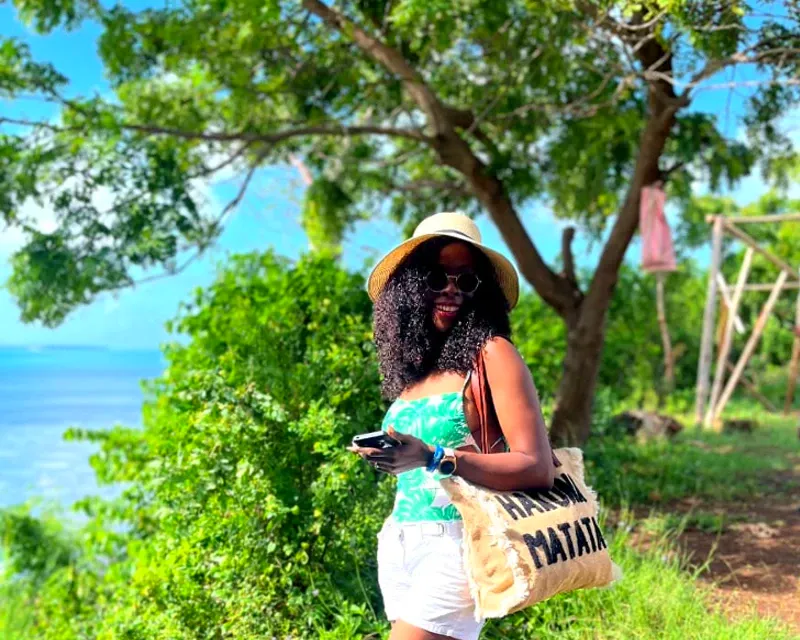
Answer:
(572, 419)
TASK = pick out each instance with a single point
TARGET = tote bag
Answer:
(522, 547)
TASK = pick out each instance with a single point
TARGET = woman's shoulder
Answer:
(499, 347)
(501, 355)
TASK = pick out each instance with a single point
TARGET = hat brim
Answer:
(505, 272)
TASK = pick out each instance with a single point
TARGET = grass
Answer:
(700, 520)
(658, 597)
(696, 463)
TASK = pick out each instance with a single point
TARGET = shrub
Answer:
(244, 516)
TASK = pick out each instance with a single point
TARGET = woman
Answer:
(441, 298)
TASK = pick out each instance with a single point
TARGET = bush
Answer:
(245, 516)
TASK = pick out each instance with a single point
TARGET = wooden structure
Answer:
(711, 399)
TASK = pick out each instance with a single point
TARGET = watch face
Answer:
(447, 467)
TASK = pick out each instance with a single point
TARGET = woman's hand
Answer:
(411, 453)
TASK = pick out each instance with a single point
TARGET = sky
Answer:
(267, 218)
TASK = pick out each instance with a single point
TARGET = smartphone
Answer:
(375, 440)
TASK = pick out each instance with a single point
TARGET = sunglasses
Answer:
(438, 280)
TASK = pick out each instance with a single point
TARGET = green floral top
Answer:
(437, 419)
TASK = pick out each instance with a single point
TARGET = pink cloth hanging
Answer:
(658, 254)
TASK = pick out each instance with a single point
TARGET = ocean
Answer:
(44, 391)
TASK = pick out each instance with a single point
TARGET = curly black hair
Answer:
(409, 345)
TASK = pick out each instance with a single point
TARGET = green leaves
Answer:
(549, 98)
(18, 71)
(326, 215)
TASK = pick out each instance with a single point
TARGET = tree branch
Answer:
(415, 186)
(201, 249)
(391, 60)
(567, 237)
(666, 173)
(280, 136)
(242, 136)
(223, 164)
(740, 57)
(655, 59)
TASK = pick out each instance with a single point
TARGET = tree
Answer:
(485, 106)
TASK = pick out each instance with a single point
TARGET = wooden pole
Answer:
(766, 286)
(749, 241)
(727, 337)
(666, 342)
(751, 345)
(794, 364)
(753, 391)
(707, 344)
(726, 296)
(779, 217)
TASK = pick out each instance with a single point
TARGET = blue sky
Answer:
(268, 217)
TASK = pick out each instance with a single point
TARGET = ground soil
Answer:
(753, 562)
(756, 563)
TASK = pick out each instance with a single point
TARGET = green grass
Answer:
(700, 520)
(658, 597)
(696, 463)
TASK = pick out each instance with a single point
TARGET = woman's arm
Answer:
(528, 464)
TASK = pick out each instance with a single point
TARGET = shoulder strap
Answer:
(479, 396)
(489, 432)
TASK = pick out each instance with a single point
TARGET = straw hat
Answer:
(454, 225)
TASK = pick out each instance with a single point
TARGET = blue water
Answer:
(45, 391)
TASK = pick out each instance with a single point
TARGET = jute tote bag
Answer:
(522, 547)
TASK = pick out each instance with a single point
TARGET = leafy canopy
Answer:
(549, 97)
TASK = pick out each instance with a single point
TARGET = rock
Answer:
(739, 426)
(646, 425)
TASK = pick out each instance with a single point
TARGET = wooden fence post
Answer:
(707, 344)
(726, 297)
(793, 365)
(666, 342)
(727, 336)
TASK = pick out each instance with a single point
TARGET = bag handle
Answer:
(481, 393)
(483, 402)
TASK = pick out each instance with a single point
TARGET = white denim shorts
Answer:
(422, 578)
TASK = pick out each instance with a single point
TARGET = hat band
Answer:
(458, 233)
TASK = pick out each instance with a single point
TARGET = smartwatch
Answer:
(447, 465)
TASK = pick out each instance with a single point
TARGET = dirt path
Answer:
(755, 554)
(755, 563)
